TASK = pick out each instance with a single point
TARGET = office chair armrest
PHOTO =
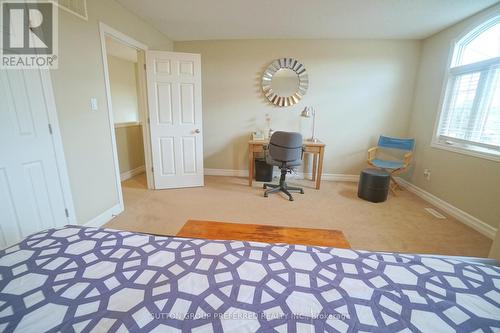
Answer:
(265, 146)
(407, 158)
(372, 152)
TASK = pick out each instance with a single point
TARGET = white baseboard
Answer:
(298, 175)
(448, 208)
(105, 217)
(131, 173)
(338, 177)
(226, 172)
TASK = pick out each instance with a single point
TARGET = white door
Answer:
(174, 98)
(31, 195)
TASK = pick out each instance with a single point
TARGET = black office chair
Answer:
(285, 150)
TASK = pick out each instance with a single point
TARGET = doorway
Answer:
(124, 63)
(123, 73)
(169, 114)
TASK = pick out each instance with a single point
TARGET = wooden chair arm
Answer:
(407, 158)
(372, 152)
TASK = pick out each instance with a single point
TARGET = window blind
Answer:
(472, 109)
(470, 114)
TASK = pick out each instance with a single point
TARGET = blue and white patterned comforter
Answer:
(79, 279)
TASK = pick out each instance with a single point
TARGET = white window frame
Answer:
(457, 145)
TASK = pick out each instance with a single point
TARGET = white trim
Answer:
(338, 177)
(226, 172)
(477, 145)
(131, 173)
(128, 124)
(144, 117)
(121, 37)
(57, 142)
(105, 30)
(299, 175)
(105, 217)
(465, 151)
(471, 34)
(453, 211)
(102, 32)
(474, 67)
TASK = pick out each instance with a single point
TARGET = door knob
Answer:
(197, 130)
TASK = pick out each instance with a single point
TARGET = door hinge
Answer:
(50, 128)
(66, 212)
(149, 122)
(144, 66)
(152, 169)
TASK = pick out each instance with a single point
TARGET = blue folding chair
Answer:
(393, 167)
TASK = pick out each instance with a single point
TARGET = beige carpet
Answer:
(400, 224)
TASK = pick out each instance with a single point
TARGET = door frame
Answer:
(107, 31)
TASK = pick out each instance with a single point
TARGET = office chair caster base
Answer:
(274, 189)
(291, 188)
(282, 187)
(285, 190)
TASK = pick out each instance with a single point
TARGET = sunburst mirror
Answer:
(285, 82)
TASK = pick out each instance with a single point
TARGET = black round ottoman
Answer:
(373, 185)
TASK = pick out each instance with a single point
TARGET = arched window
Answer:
(470, 115)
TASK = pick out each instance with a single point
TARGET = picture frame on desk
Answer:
(258, 136)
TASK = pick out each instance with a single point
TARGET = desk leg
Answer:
(320, 167)
(250, 165)
(315, 166)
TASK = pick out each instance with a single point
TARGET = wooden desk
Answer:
(315, 148)
(263, 233)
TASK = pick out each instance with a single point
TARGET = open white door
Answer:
(34, 192)
(174, 98)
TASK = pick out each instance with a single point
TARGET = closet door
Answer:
(31, 189)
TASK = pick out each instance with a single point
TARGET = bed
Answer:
(78, 279)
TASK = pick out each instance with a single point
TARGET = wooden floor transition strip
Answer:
(263, 233)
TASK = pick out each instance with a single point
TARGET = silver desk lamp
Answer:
(309, 112)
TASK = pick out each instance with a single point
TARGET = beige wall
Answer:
(469, 183)
(123, 84)
(130, 147)
(360, 88)
(86, 134)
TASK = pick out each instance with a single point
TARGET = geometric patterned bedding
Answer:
(78, 279)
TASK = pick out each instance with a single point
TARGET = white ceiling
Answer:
(184, 20)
